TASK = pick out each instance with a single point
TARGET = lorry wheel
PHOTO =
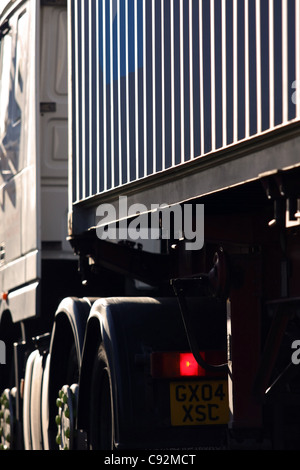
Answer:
(66, 417)
(35, 402)
(101, 435)
(7, 414)
(27, 404)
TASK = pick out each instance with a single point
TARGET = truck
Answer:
(149, 228)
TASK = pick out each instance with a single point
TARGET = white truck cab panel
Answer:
(19, 189)
(33, 147)
(54, 130)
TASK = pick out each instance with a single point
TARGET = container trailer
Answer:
(149, 231)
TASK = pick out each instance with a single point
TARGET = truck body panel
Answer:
(167, 92)
(54, 129)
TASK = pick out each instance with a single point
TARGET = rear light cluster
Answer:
(183, 364)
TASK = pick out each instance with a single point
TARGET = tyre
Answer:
(101, 432)
(27, 400)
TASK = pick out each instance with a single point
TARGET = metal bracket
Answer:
(282, 187)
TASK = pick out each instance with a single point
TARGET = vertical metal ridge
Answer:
(71, 103)
(191, 71)
(224, 80)
(271, 62)
(83, 148)
(213, 78)
(153, 87)
(90, 193)
(98, 99)
(127, 91)
(181, 82)
(145, 89)
(201, 76)
(258, 66)
(163, 103)
(285, 84)
(104, 97)
(119, 92)
(297, 59)
(112, 112)
(172, 81)
(136, 84)
(235, 73)
(247, 78)
(76, 40)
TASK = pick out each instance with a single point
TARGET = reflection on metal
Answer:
(2, 253)
(2, 353)
(12, 52)
(4, 29)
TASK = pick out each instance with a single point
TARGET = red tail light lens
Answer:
(188, 365)
(183, 364)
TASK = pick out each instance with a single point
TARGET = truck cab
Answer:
(33, 150)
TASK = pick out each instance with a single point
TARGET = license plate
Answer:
(199, 403)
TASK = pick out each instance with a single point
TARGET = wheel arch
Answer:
(71, 313)
(125, 326)
(131, 329)
(93, 337)
(67, 337)
(102, 327)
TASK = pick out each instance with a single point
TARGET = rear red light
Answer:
(188, 364)
(183, 364)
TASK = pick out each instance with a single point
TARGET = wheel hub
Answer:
(65, 419)
(7, 414)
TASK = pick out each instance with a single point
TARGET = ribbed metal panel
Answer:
(157, 83)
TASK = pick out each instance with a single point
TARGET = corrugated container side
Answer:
(158, 83)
